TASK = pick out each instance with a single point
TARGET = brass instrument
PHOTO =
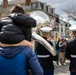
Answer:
(44, 18)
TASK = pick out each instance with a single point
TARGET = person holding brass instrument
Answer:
(44, 56)
(16, 56)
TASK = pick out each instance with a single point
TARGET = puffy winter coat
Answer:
(15, 28)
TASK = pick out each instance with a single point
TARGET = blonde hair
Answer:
(58, 38)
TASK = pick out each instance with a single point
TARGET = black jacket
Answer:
(70, 53)
(15, 28)
(46, 62)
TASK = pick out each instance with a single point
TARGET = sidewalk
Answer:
(62, 70)
(63, 73)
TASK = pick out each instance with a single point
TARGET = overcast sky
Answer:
(59, 5)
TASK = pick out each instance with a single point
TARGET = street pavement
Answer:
(62, 70)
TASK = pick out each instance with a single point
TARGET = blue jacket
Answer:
(17, 60)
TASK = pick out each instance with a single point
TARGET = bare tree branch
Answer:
(71, 11)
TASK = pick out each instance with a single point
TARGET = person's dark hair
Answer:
(17, 9)
(52, 36)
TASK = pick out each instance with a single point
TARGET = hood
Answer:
(23, 20)
(9, 31)
(11, 51)
(5, 21)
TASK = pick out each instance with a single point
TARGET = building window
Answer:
(47, 8)
(42, 6)
(34, 5)
(52, 11)
(69, 25)
(61, 29)
(66, 25)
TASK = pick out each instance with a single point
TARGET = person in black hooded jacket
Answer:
(16, 59)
